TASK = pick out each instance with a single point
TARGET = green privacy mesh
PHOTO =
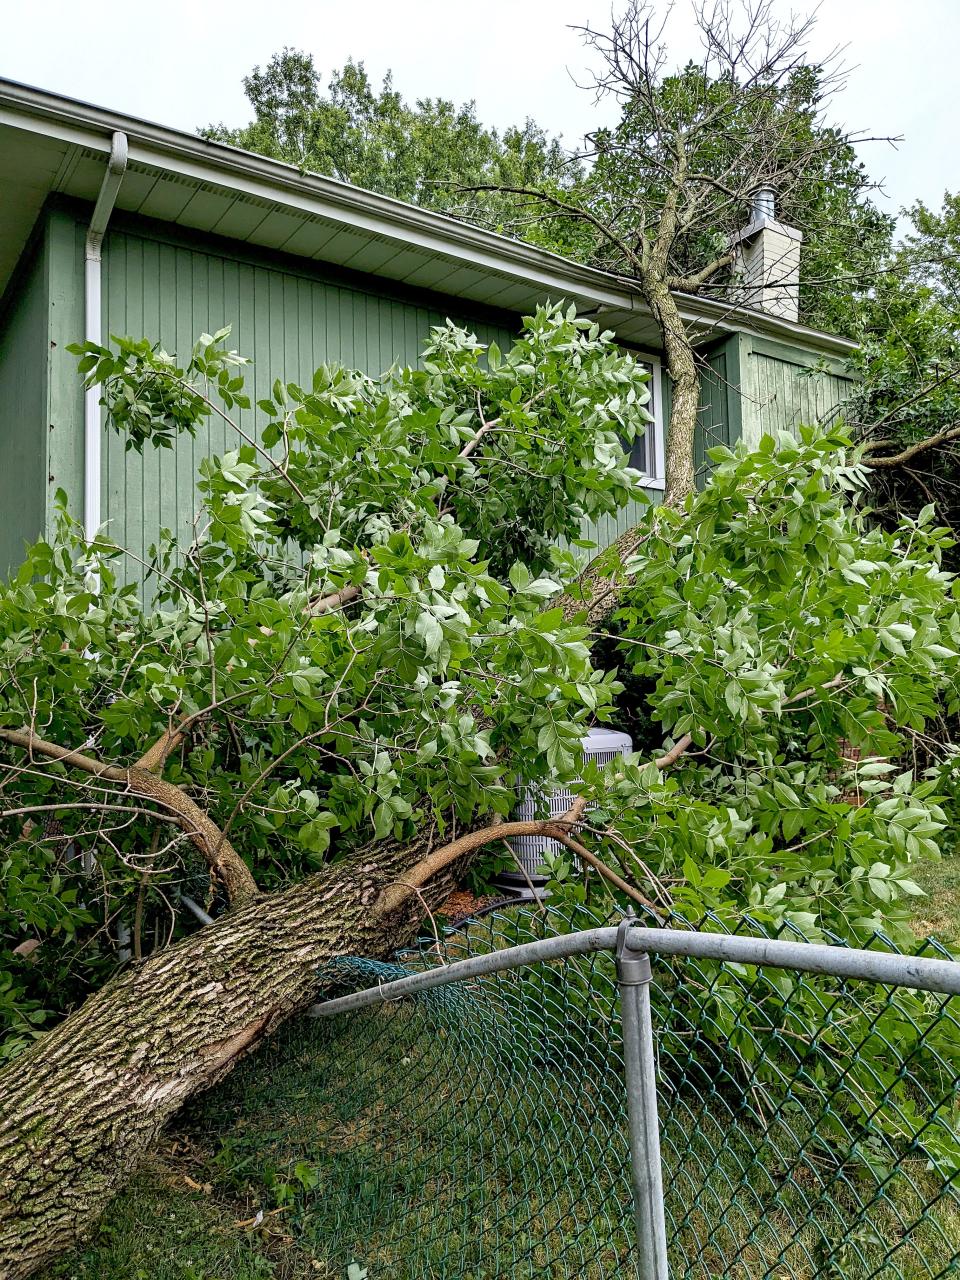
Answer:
(809, 1125)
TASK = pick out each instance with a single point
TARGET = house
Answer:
(110, 225)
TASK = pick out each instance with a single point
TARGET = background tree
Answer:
(670, 185)
(654, 199)
(751, 113)
(420, 152)
(906, 402)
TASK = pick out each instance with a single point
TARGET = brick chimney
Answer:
(767, 261)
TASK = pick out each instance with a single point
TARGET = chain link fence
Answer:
(489, 1126)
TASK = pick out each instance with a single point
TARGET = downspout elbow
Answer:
(116, 168)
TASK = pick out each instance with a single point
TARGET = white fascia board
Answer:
(283, 184)
(76, 134)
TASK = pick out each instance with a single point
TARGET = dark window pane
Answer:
(643, 454)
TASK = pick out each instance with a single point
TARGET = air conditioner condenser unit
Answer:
(526, 880)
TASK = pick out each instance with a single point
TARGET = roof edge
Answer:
(89, 125)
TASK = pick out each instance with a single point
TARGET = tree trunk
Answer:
(681, 366)
(81, 1107)
(596, 593)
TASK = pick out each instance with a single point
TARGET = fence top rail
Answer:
(888, 968)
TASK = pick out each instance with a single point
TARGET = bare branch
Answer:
(911, 451)
(558, 829)
(201, 830)
(566, 209)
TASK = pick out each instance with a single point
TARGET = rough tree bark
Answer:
(79, 1109)
(681, 364)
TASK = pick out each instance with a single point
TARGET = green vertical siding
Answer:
(608, 528)
(64, 247)
(719, 406)
(23, 427)
(786, 387)
(288, 322)
(289, 317)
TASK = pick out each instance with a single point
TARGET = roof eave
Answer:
(159, 146)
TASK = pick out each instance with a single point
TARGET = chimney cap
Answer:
(763, 204)
(763, 216)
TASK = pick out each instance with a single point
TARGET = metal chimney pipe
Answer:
(763, 204)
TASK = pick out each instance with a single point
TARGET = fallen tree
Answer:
(361, 702)
(81, 1108)
(336, 735)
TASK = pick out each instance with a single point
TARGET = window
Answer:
(647, 452)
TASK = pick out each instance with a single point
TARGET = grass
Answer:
(938, 914)
(441, 1142)
(161, 1228)
(286, 1136)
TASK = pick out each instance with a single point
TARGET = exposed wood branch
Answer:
(691, 283)
(678, 749)
(484, 429)
(911, 451)
(559, 829)
(65, 755)
(335, 600)
(203, 833)
(607, 872)
(155, 757)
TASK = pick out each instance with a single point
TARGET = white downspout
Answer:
(116, 167)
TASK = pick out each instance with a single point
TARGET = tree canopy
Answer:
(906, 399)
(340, 654)
(714, 133)
(752, 111)
(360, 645)
(422, 152)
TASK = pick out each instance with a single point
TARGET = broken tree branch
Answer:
(204, 834)
(911, 451)
(559, 829)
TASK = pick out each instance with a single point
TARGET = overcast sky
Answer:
(181, 62)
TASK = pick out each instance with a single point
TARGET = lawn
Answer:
(441, 1141)
(938, 914)
(168, 1227)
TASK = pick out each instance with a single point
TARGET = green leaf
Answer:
(733, 697)
(430, 631)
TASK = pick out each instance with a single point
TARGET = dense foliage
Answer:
(809, 654)
(907, 391)
(359, 644)
(348, 642)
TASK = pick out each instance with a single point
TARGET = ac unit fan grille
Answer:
(600, 745)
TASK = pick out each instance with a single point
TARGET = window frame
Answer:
(654, 436)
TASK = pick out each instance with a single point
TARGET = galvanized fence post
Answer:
(640, 1072)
